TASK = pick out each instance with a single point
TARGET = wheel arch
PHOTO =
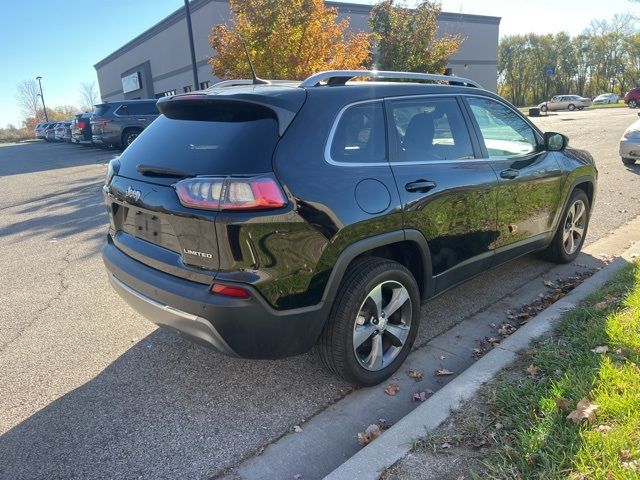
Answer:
(408, 247)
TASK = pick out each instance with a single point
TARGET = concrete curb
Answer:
(395, 443)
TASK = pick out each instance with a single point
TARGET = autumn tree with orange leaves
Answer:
(286, 39)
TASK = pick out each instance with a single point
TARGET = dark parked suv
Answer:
(117, 124)
(264, 220)
(81, 129)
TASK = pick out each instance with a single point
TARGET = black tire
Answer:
(335, 347)
(571, 107)
(580, 108)
(556, 251)
(128, 136)
(543, 108)
(633, 104)
(629, 161)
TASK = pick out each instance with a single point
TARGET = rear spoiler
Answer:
(204, 106)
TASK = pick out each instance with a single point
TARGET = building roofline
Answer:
(195, 5)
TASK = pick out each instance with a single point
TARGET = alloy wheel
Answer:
(574, 226)
(130, 138)
(382, 325)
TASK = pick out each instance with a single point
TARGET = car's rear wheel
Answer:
(628, 161)
(543, 108)
(129, 135)
(633, 104)
(580, 108)
(571, 107)
(373, 322)
(572, 229)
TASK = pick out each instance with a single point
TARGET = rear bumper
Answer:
(248, 328)
(106, 139)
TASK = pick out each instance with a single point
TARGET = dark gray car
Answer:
(117, 124)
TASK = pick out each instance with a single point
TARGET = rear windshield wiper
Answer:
(161, 171)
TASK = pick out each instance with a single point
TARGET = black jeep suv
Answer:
(264, 220)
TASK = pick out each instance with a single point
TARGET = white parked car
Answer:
(606, 98)
(565, 102)
(630, 144)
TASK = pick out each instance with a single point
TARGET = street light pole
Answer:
(46, 118)
(196, 85)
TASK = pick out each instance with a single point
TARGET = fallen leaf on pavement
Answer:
(369, 435)
(392, 389)
(422, 395)
(415, 374)
(600, 349)
(585, 410)
(441, 372)
(548, 283)
(532, 370)
(297, 428)
(383, 424)
(297, 476)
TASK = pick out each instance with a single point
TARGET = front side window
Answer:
(505, 133)
(360, 136)
(430, 130)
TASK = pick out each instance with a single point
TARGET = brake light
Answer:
(231, 193)
(80, 124)
(228, 291)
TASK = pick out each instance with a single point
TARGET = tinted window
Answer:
(232, 142)
(431, 130)
(360, 136)
(138, 109)
(505, 133)
(101, 110)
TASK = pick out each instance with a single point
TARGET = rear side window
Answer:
(431, 130)
(137, 109)
(359, 136)
(205, 140)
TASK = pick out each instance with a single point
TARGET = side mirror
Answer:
(555, 142)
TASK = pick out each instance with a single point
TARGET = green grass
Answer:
(520, 420)
(537, 440)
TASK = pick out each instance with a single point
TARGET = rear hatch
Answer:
(199, 138)
(97, 119)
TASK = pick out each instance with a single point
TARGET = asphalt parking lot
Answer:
(88, 389)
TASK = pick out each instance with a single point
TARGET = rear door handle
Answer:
(509, 173)
(420, 186)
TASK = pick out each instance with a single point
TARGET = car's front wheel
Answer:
(572, 229)
(571, 107)
(373, 322)
(543, 108)
(628, 161)
(633, 104)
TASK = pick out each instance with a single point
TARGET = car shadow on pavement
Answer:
(166, 408)
(76, 209)
(39, 157)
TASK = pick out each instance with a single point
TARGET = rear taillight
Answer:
(231, 193)
(81, 124)
(228, 291)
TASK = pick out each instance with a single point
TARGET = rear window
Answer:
(233, 140)
(101, 110)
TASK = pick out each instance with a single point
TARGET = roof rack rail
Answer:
(248, 81)
(341, 77)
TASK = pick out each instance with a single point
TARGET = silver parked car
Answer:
(606, 98)
(630, 144)
(565, 102)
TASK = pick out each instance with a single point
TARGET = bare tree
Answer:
(88, 96)
(27, 98)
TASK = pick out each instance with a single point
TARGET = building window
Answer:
(168, 93)
(186, 89)
(204, 85)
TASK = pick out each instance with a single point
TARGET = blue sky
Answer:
(61, 40)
